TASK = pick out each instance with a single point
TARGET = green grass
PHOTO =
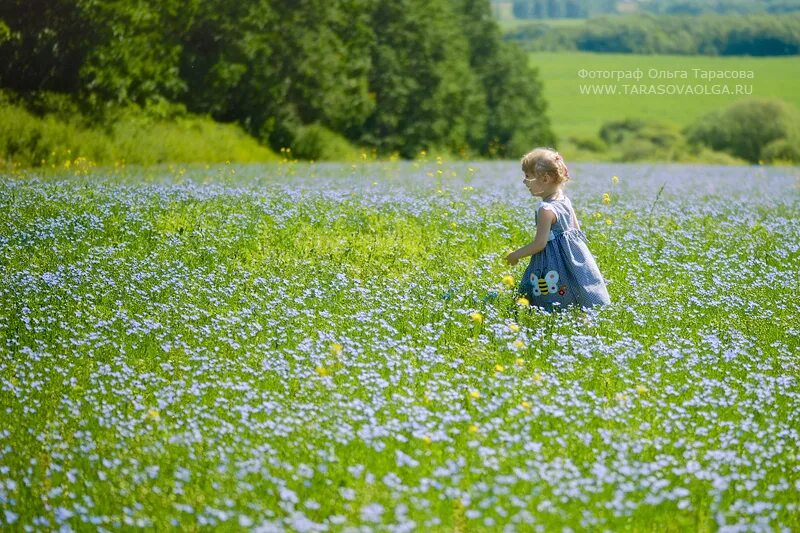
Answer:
(573, 113)
(240, 346)
(56, 141)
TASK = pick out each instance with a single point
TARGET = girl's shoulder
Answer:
(561, 207)
(555, 203)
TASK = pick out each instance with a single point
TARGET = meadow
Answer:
(321, 347)
(575, 114)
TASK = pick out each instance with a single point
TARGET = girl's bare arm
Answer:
(546, 219)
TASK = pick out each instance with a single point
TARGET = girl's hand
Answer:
(511, 260)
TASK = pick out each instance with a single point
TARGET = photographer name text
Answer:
(638, 74)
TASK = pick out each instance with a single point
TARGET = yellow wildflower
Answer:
(476, 317)
(321, 370)
(526, 405)
(336, 348)
(427, 439)
(499, 368)
(606, 198)
(614, 180)
(537, 377)
(508, 281)
(474, 394)
(524, 302)
(153, 414)
(519, 361)
(641, 389)
(513, 327)
(472, 428)
(519, 344)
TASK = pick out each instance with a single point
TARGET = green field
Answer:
(298, 347)
(574, 113)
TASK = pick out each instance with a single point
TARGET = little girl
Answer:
(562, 270)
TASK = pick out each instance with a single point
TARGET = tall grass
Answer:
(53, 141)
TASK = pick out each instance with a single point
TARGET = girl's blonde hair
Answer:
(546, 162)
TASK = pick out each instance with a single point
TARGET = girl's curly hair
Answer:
(546, 162)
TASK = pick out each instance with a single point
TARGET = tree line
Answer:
(757, 35)
(399, 76)
(542, 9)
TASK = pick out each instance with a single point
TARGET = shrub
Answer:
(615, 131)
(647, 140)
(142, 139)
(746, 127)
(591, 144)
(779, 150)
(136, 137)
(318, 143)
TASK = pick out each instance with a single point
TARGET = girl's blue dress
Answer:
(565, 272)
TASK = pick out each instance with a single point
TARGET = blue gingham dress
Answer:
(565, 272)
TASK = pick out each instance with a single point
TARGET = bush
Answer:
(29, 140)
(615, 131)
(591, 144)
(318, 143)
(142, 139)
(659, 134)
(647, 140)
(745, 128)
(782, 150)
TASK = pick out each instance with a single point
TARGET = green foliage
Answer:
(134, 54)
(141, 139)
(105, 51)
(426, 94)
(782, 150)
(696, 7)
(555, 9)
(641, 139)
(746, 128)
(29, 140)
(274, 66)
(591, 144)
(759, 35)
(136, 137)
(637, 139)
(398, 77)
(318, 143)
(544, 9)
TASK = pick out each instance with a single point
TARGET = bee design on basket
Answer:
(546, 285)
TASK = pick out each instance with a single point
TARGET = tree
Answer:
(746, 127)
(103, 50)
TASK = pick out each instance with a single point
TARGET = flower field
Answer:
(316, 347)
